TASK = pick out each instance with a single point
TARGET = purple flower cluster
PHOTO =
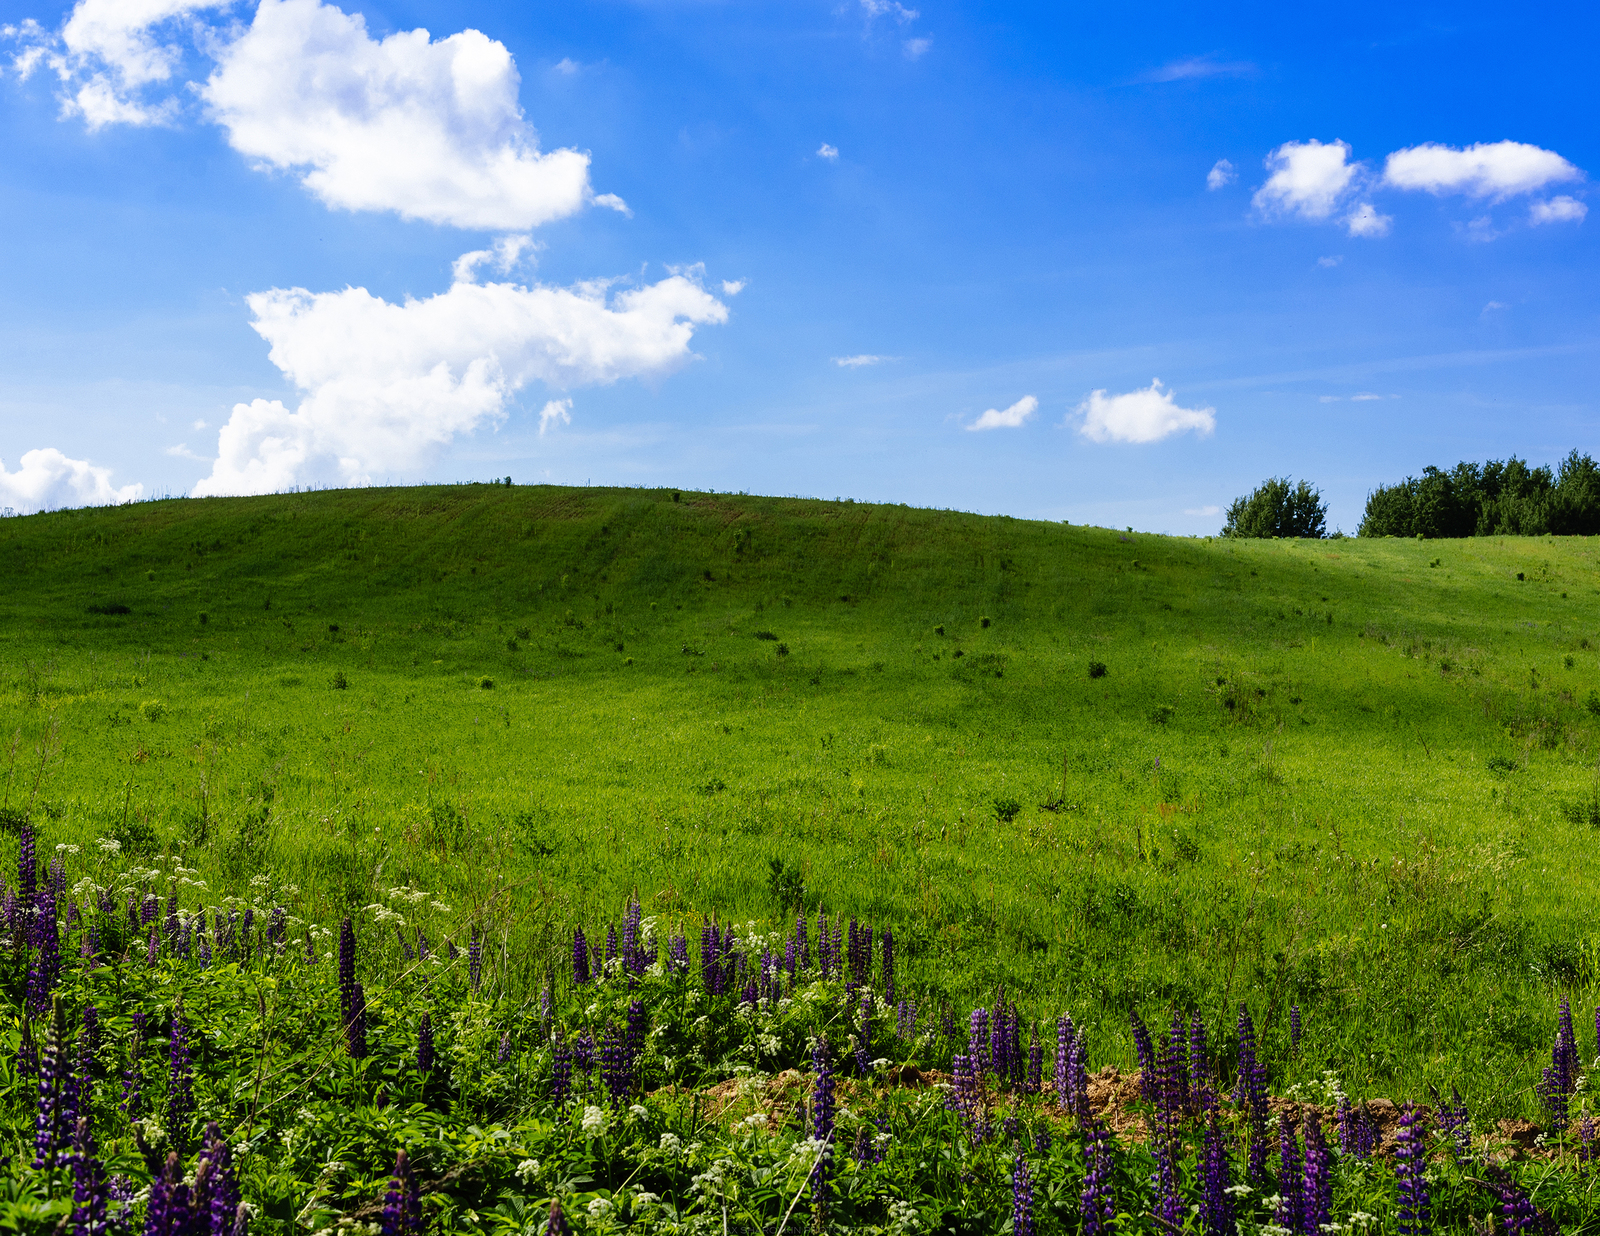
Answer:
(1452, 1121)
(1098, 1201)
(402, 1206)
(560, 1070)
(1216, 1203)
(1294, 1028)
(1317, 1196)
(208, 1207)
(822, 1112)
(1415, 1216)
(966, 1097)
(1021, 1196)
(180, 1080)
(1358, 1136)
(1560, 1079)
(425, 1044)
(1250, 1093)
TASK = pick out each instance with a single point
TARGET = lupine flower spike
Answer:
(1415, 1217)
(1021, 1196)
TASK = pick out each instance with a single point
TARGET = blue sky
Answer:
(1347, 243)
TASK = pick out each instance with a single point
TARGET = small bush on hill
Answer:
(1277, 509)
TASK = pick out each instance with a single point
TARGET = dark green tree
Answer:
(1278, 509)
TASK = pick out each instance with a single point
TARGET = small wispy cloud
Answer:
(182, 451)
(556, 412)
(1492, 306)
(566, 66)
(830, 153)
(200, 424)
(916, 48)
(888, 8)
(1194, 67)
(1563, 209)
(1330, 261)
(1220, 175)
(1364, 397)
(732, 287)
(1205, 510)
(1013, 417)
(856, 362)
(1328, 398)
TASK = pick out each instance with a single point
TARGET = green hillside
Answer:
(1355, 775)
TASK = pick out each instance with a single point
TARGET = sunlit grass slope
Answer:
(1354, 775)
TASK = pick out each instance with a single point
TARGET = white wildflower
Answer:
(670, 1144)
(599, 1208)
(595, 1121)
(638, 1112)
(528, 1170)
(109, 844)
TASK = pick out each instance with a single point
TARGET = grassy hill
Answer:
(1356, 776)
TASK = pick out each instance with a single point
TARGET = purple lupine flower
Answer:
(1317, 1193)
(1291, 1182)
(637, 1026)
(580, 957)
(1560, 1079)
(311, 944)
(611, 944)
(1034, 1082)
(149, 908)
(978, 1039)
(503, 1056)
(88, 1050)
(451, 952)
(822, 943)
(888, 965)
(1169, 1197)
(405, 945)
(1098, 1201)
(216, 1206)
(51, 1125)
(822, 1129)
(1451, 1120)
(1174, 1066)
(803, 949)
(475, 958)
(46, 968)
(864, 1037)
(27, 864)
(423, 951)
(202, 949)
(963, 1096)
(1294, 1028)
(347, 975)
(1410, 1163)
(1203, 1095)
(1063, 1081)
(583, 1055)
(678, 955)
(1516, 1207)
(1216, 1203)
(355, 1037)
(89, 1186)
(1251, 1092)
(180, 1080)
(58, 875)
(711, 958)
(545, 1005)
(1078, 1074)
(1147, 1058)
(1586, 1141)
(168, 1212)
(556, 1225)
(152, 952)
(425, 1044)
(1021, 1196)
(906, 1019)
(560, 1070)
(133, 1077)
(614, 1071)
(402, 1211)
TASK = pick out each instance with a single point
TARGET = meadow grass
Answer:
(1357, 776)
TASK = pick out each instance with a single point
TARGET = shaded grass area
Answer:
(1353, 775)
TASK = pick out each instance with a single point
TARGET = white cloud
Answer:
(555, 412)
(732, 287)
(1561, 209)
(386, 385)
(1331, 261)
(1141, 416)
(1205, 510)
(1221, 174)
(430, 130)
(1492, 306)
(1364, 397)
(1013, 417)
(566, 66)
(182, 451)
(1308, 179)
(1199, 66)
(856, 362)
(888, 8)
(108, 54)
(200, 424)
(1364, 221)
(47, 479)
(1328, 398)
(503, 256)
(830, 153)
(915, 49)
(1495, 170)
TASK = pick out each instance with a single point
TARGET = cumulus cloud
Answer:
(46, 479)
(1496, 170)
(856, 362)
(1146, 415)
(1329, 262)
(429, 129)
(386, 385)
(1221, 175)
(888, 8)
(1307, 179)
(732, 287)
(1013, 417)
(830, 153)
(1563, 209)
(108, 55)
(915, 49)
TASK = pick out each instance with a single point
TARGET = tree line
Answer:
(1497, 498)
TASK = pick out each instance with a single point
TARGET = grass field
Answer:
(1357, 776)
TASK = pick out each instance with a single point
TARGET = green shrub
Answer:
(1277, 509)
(339, 682)
(486, 683)
(1161, 713)
(152, 710)
(1097, 669)
(1006, 809)
(1501, 764)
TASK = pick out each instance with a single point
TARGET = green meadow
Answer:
(1104, 771)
